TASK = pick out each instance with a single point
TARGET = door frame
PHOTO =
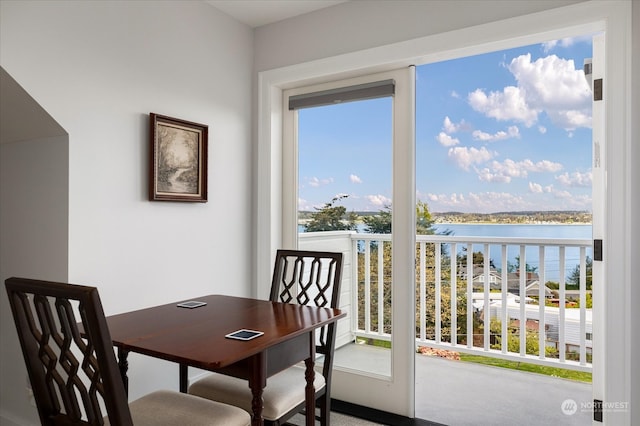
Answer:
(614, 17)
(393, 394)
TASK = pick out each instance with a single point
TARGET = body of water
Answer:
(519, 231)
(532, 254)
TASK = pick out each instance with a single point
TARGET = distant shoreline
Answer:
(567, 217)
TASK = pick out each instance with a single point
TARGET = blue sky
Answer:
(502, 131)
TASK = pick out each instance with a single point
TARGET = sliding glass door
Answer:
(349, 187)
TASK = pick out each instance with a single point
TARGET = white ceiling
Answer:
(256, 13)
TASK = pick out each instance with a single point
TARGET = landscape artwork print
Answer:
(178, 158)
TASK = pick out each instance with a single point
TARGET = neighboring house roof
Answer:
(533, 289)
(513, 281)
(495, 278)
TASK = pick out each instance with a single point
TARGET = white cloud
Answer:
(549, 45)
(536, 188)
(378, 200)
(455, 94)
(486, 175)
(565, 42)
(304, 205)
(451, 127)
(580, 202)
(554, 85)
(510, 104)
(575, 179)
(491, 202)
(503, 172)
(355, 179)
(484, 202)
(521, 168)
(450, 200)
(550, 84)
(542, 166)
(562, 194)
(542, 129)
(464, 157)
(446, 140)
(511, 168)
(315, 182)
(448, 126)
(512, 132)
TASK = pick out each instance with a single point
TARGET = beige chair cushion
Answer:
(168, 408)
(284, 391)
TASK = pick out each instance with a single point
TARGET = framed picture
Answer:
(178, 166)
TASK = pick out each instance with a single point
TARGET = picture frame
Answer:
(178, 160)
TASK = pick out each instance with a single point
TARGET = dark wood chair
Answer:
(301, 277)
(73, 370)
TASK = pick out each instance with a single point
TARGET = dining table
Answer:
(198, 337)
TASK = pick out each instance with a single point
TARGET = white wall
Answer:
(99, 69)
(33, 229)
(634, 233)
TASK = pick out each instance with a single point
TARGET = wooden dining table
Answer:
(195, 337)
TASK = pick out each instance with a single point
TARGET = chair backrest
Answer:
(310, 278)
(71, 365)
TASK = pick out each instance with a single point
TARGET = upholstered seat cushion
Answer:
(284, 391)
(168, 408)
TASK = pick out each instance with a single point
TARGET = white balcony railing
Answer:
(515, 328)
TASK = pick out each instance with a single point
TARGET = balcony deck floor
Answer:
(462, 393)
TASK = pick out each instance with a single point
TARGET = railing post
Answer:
(562, 305)
(487, 305)
(541, 306)
(380, 287)
(367, 287)
(523, 297)
(583, 306)
(454, 294)
(423, 292)
(469, 295)
(438, 282)
(504, 344)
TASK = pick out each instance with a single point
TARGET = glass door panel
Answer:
(341, 174)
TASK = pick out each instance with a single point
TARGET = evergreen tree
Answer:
(573, 280)
(332, 217)
(511, 267)
(378, 223)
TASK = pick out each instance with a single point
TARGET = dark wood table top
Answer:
(196, 337)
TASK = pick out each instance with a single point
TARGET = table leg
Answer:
(257, 383)
(123, 365)
(310, 391)
(184, 378)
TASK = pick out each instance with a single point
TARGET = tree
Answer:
(332, 217)
(573, 280)
(424, 221)
(379, 223)
(511, 267)
(588, 300)
(478, 259)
